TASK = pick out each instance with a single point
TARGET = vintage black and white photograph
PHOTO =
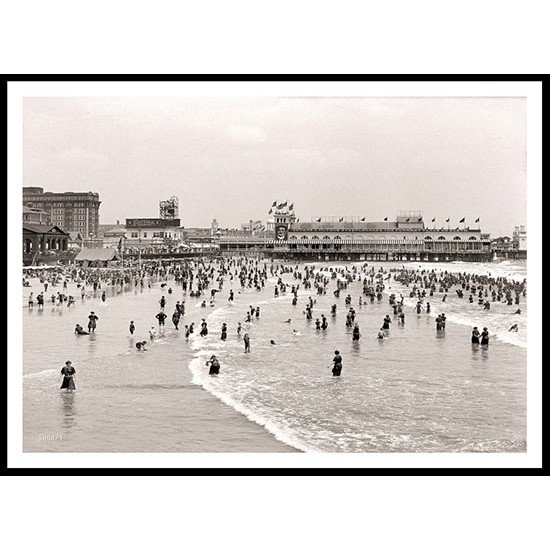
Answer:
(275, 272)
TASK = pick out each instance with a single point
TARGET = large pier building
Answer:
(407, 238)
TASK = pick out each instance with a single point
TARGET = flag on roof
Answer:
(282, 204)
(341, 219)
(274, 204)
(270, 211)
(448, 220)
(462, 220)
(363, 219)
(433, 219)
(291, 206)
(385, 219)
(477, 220)
(419, 219)
(318, 219)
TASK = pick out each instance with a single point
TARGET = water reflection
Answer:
(91, 342)
(68, 409)
(480, 352)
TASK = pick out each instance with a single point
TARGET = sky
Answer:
(230, 157)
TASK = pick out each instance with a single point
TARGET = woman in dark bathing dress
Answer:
(68, 373)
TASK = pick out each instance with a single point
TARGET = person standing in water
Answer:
(176, 318)
(92, 321)
(68, 373)
(356, 333)
(337, 364)
(214, 365)
(485, 337)
(246, 340)
(475, 336)
(132, 327)
(161, 316)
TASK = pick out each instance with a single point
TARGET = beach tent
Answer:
(96, 257)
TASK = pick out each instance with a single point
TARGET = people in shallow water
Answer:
(68, 372)
(214, 365)
(92, 321)
(475, 335)
(485, 337)
(356, 334)
(382, 334)
(79, 330)
(141, 345)
(336, 364)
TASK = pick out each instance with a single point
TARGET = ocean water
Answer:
(419, 390)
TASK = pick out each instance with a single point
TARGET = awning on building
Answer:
(97, 255)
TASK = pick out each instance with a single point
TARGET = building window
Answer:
(134, 234)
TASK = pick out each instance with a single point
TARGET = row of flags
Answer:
(291, 207)
(408, 220)
(280, 206)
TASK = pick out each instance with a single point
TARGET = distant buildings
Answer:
(110, 234)
(78, 212)
(519, 238)
(511, 248)
(36, 216)
(150, 231)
